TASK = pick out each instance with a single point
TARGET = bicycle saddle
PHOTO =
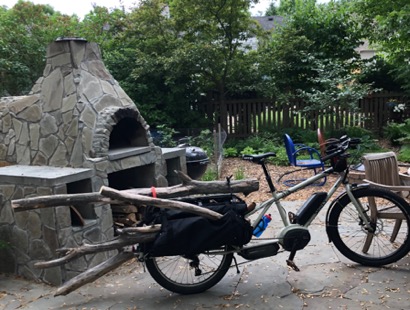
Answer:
(258, 158)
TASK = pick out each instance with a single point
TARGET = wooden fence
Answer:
(241, 118)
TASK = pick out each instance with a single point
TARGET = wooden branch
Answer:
(193, 187)
(94, 273)
(158, 202)
(187, 188)
(40, 202)
(129, 236)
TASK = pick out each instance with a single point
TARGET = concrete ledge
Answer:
(42, 175)
(172, 152)
(120, 153)
(131, 162)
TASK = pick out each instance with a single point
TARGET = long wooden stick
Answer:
(158, 202)
(41, 202)
(94, 273)
(134, 235)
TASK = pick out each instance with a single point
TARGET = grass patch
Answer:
(211, 174)
(239, 174)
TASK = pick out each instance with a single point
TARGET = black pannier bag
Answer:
(184, 233)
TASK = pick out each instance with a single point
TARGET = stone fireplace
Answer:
(76, 131)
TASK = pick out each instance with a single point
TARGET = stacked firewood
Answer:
(126, 215)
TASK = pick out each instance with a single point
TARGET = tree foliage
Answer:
(215, 32)
(313, 56)
(170, 55)
(287, 7)
(143, 58)
(26, 29)
(170, 60)
(272, 10)
(387, 25)
(25, 32)
(333, 85)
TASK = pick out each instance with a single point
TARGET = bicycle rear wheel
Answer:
(189, 275)
(387, 242)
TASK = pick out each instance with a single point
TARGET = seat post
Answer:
(267, 176)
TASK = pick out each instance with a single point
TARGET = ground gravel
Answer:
(238, 167)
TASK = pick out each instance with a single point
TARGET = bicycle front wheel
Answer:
(189, 275)
(386, 241)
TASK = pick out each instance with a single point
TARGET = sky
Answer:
(82, 7)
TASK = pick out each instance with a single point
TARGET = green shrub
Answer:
(204, 140)
(230, 152)
(281, 158)
(356, 132)
(256, 144)
(210, 174)
(273, 142)
(398, 133)
(248, 151)
(167, 136)
(298, 135)
(239, 174)
(404, 154)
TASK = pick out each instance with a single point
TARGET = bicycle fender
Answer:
(359, 187)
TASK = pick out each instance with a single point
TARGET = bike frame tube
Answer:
(277, 196)
(332, 190)
(364, 217)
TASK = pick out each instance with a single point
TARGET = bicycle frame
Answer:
(378, 241)
(277, 196)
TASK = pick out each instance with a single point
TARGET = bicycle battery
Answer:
(309, 208)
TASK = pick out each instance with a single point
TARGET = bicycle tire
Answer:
(175, 273)
(350, 237)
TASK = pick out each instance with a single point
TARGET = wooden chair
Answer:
(303, 157)
(382, 170)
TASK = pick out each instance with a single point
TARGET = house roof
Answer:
(269, 22)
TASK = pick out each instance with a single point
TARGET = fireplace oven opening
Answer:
(80, 214)
(128, 132)
(136, 177)
(128, 143)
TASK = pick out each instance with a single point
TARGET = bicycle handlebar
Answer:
(337, 147)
